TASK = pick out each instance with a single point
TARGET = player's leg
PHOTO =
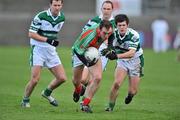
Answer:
(91, 89)
(133, 88)
(135, 67)
(85, 76)
(60, 77)
(78, 67)
(59, 72)
(35, 76)
(55, 66)
(79, 88)
(120, 75)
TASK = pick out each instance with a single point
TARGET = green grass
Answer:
(158, 97)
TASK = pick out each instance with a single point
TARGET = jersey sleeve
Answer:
(134, 41)
(35, 24)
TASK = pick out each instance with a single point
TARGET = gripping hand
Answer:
(53, 42)
(112, 55)
(105, 51)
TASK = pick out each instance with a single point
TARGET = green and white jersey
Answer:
(129, 41)
(97, 20)
(46, 25)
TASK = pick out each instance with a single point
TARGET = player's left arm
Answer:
(128, 54)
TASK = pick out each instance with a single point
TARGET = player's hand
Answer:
(53, 42)
(105, 51)
(112, 55)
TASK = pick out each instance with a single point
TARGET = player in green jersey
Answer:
(92, 37)
(107, 10)
(129, 55)
(43, 39)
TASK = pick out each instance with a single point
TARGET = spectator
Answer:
(160, 30)
(176, 43)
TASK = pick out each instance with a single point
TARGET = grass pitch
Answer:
(158, 97)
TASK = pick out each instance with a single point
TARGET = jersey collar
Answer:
(50, 14)
(111, 18)
(127, 32)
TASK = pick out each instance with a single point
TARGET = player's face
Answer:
(104, 33)
(122, 27)
(55, 7)
(107, 11)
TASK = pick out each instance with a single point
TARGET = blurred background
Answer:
(16, 15)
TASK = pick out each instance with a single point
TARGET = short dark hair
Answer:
(108, 1)
(56, 0)
(106, 24)
(121, 18)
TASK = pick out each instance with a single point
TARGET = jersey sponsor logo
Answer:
(36, 22)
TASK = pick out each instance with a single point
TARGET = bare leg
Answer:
(59, 73)
(85, 76)
(133, 85)
(77, 75)
(35, 76)
(120, 75)
(96, 75)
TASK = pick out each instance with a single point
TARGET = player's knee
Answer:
(34, 81)
(62, 79)
(116, 85)
(98, 78)
(76, 81)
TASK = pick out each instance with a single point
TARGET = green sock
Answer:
(26, 99)
(111, 105)
(47, 92)
(82, 98)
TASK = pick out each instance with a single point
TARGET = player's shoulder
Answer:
(41, 14)
(113, 23)
(132, 31)
(96, 19)
(62, 15)
(133, 34)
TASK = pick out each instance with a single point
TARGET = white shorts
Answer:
(44, 56)
(104, 59)
(76, 61)
(132, 66)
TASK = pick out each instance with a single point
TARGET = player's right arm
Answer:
(38, 37)
(33, 33)
(33, 30)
